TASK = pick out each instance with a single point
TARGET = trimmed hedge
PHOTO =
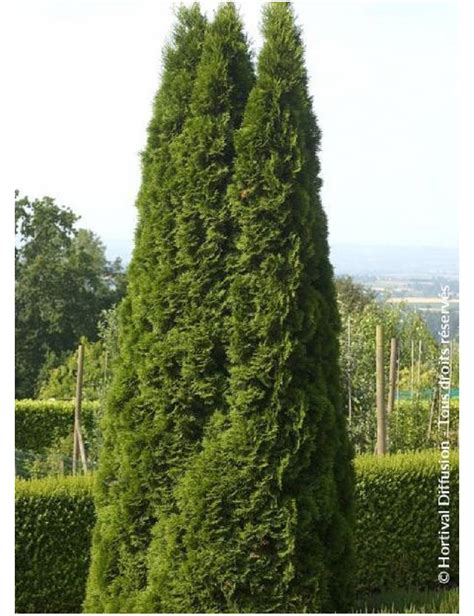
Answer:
(54, 519)
(40, 424)
(396, 538)
(397, 544)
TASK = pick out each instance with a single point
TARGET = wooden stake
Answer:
(398, 375)
(392, 375)
(419, 366)
(434, 402)
(78, 442)
(380, 389)
(349, 367)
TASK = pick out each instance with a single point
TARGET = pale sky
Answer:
(383, 77)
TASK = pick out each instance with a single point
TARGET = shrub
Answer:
(54, 519)
(396, 531)
(398, 523)
(41, 424)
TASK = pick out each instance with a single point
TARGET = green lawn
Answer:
(412, 602)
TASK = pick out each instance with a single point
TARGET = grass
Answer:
(412, 602)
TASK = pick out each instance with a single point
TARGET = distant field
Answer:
(419, 300)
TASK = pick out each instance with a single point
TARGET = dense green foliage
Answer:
(396, 539)
(60, 382)
(398, 522)
(63, 283)
(225, 482)
(53, 523)
(263, 511)
(40, 424)
(170, 370)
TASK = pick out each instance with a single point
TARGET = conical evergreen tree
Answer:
(171, 374)
(125, 484)
(193, 365)
(263, 512)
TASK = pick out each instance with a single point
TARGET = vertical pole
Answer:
(75, 447)
(412, 374)
(380, 390)
(392, 375)
(434, 401)
(419, 366)
(349, 368)
(398, 374)
(78, 442)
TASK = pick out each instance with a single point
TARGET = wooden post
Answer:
(392, 375)
(398, 375)
(380, 389)
(412, 374)
(434, 403)
(349, 368)
(419, 367)
(78, 442)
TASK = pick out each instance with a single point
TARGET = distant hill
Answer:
(357, 260)
(405, 261)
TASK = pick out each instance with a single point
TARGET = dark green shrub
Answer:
(53, 524)
(397, 544)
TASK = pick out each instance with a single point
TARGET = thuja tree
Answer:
(193, 368)
(125, 483)
(171, 372)
(262, 513)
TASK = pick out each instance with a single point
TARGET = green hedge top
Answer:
(416, 463)
(52, 487)
(39, 424)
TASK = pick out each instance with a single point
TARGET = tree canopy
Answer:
(63, 283)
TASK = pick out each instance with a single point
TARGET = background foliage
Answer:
(43, 435)
(360, 312)
(63, 283)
